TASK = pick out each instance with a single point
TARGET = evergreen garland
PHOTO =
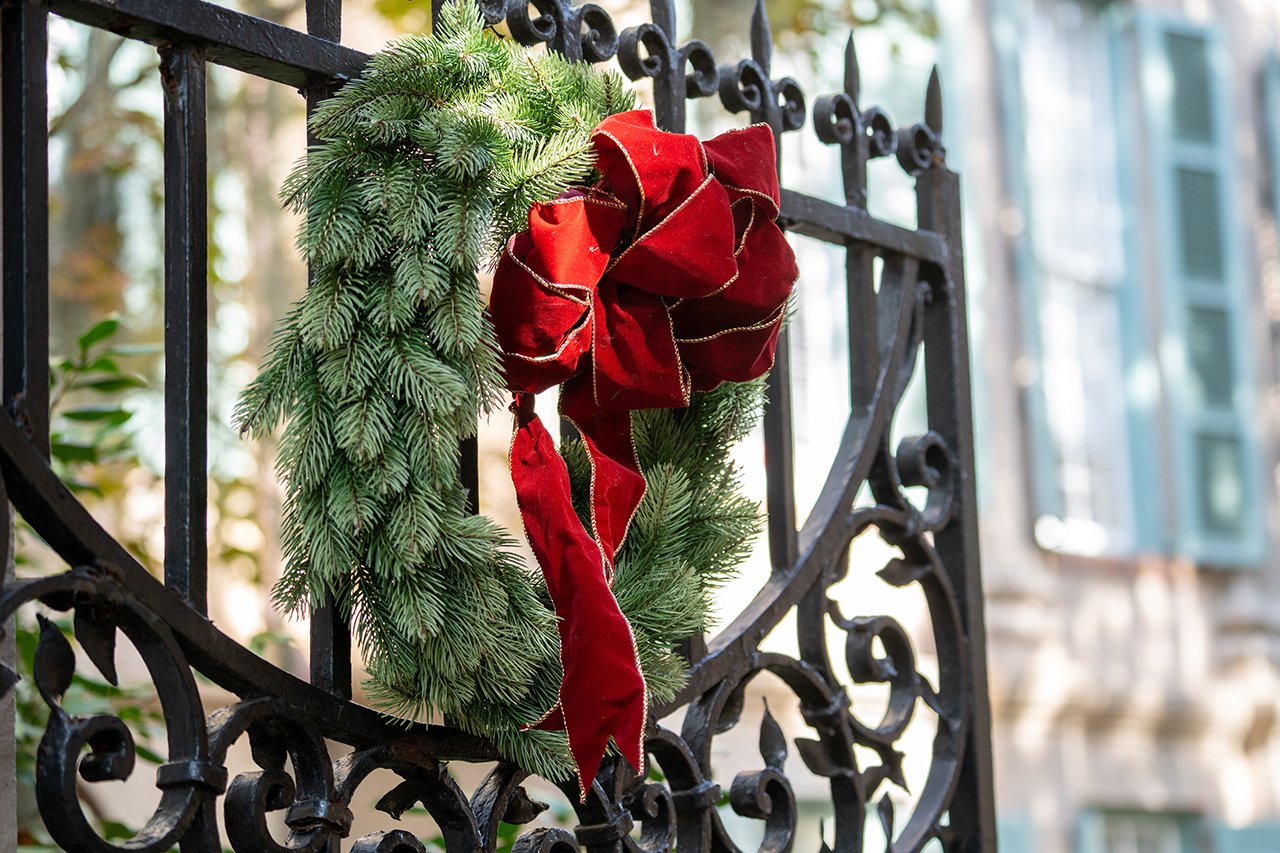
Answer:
(428, 163)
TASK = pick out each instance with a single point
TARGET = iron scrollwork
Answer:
(291, 726)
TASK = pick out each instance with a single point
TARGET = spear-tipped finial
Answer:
(852, 73)
(933, 103)
(663, 13)
(761, 37)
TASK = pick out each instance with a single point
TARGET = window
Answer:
(1138, 832)
(1131, 273)
(1072, 265)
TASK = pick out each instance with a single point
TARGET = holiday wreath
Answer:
(641, 270)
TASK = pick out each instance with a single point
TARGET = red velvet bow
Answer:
(668, 276)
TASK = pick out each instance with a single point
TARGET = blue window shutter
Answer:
(1090, 834)
(1204, 288)
(1258, 838)
(1015, 833)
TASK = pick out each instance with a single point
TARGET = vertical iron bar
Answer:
(860, 294)
(24, 275)
(779, 436)
(25, 191)
(863, 325)
(186, 323)
(779, 458)
(469, 448)
(324, 19)
(950, 413)
(330, 633)
(779, 445)
(186, 353)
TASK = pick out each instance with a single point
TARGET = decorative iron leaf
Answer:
(732, 709)
(8, 678)
(884, 810)
(401, 798)
(815, 757)
(521, 808)
(901, 573)
(773, 743)
(55, 663)
(97, 637)
(893, 770)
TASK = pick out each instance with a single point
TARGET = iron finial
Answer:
(761, 38)
(933, 103)
(663, 13)
(852, 73)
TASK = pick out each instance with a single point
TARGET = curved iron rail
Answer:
(915, 303)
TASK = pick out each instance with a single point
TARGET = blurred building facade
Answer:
(1122, 162)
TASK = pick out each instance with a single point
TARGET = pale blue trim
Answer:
(1263, 837)
(1141, 368)
(1015, 833)
(1090, 834)
(1178, 295)
(1046, 494)
(1091, 826)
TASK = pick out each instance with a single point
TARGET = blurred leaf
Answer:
(99, 331)
(113, 415)
(82, 487)
(102, 364)
(260, 642)
(406, 14)
(65, 451)
(115, 831)
(124, 382)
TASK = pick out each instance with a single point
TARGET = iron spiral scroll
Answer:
(905, 296)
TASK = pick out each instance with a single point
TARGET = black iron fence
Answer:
(905, 291)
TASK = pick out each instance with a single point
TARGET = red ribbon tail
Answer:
(603, 691)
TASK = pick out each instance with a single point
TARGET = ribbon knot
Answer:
(669, 276)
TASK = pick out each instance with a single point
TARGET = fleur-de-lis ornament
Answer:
(678, 73)
(748, 86)
(862, 135)
(578, 33)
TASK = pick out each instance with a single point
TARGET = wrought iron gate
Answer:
(905, 293)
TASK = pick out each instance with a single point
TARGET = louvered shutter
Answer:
(1204, 289)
